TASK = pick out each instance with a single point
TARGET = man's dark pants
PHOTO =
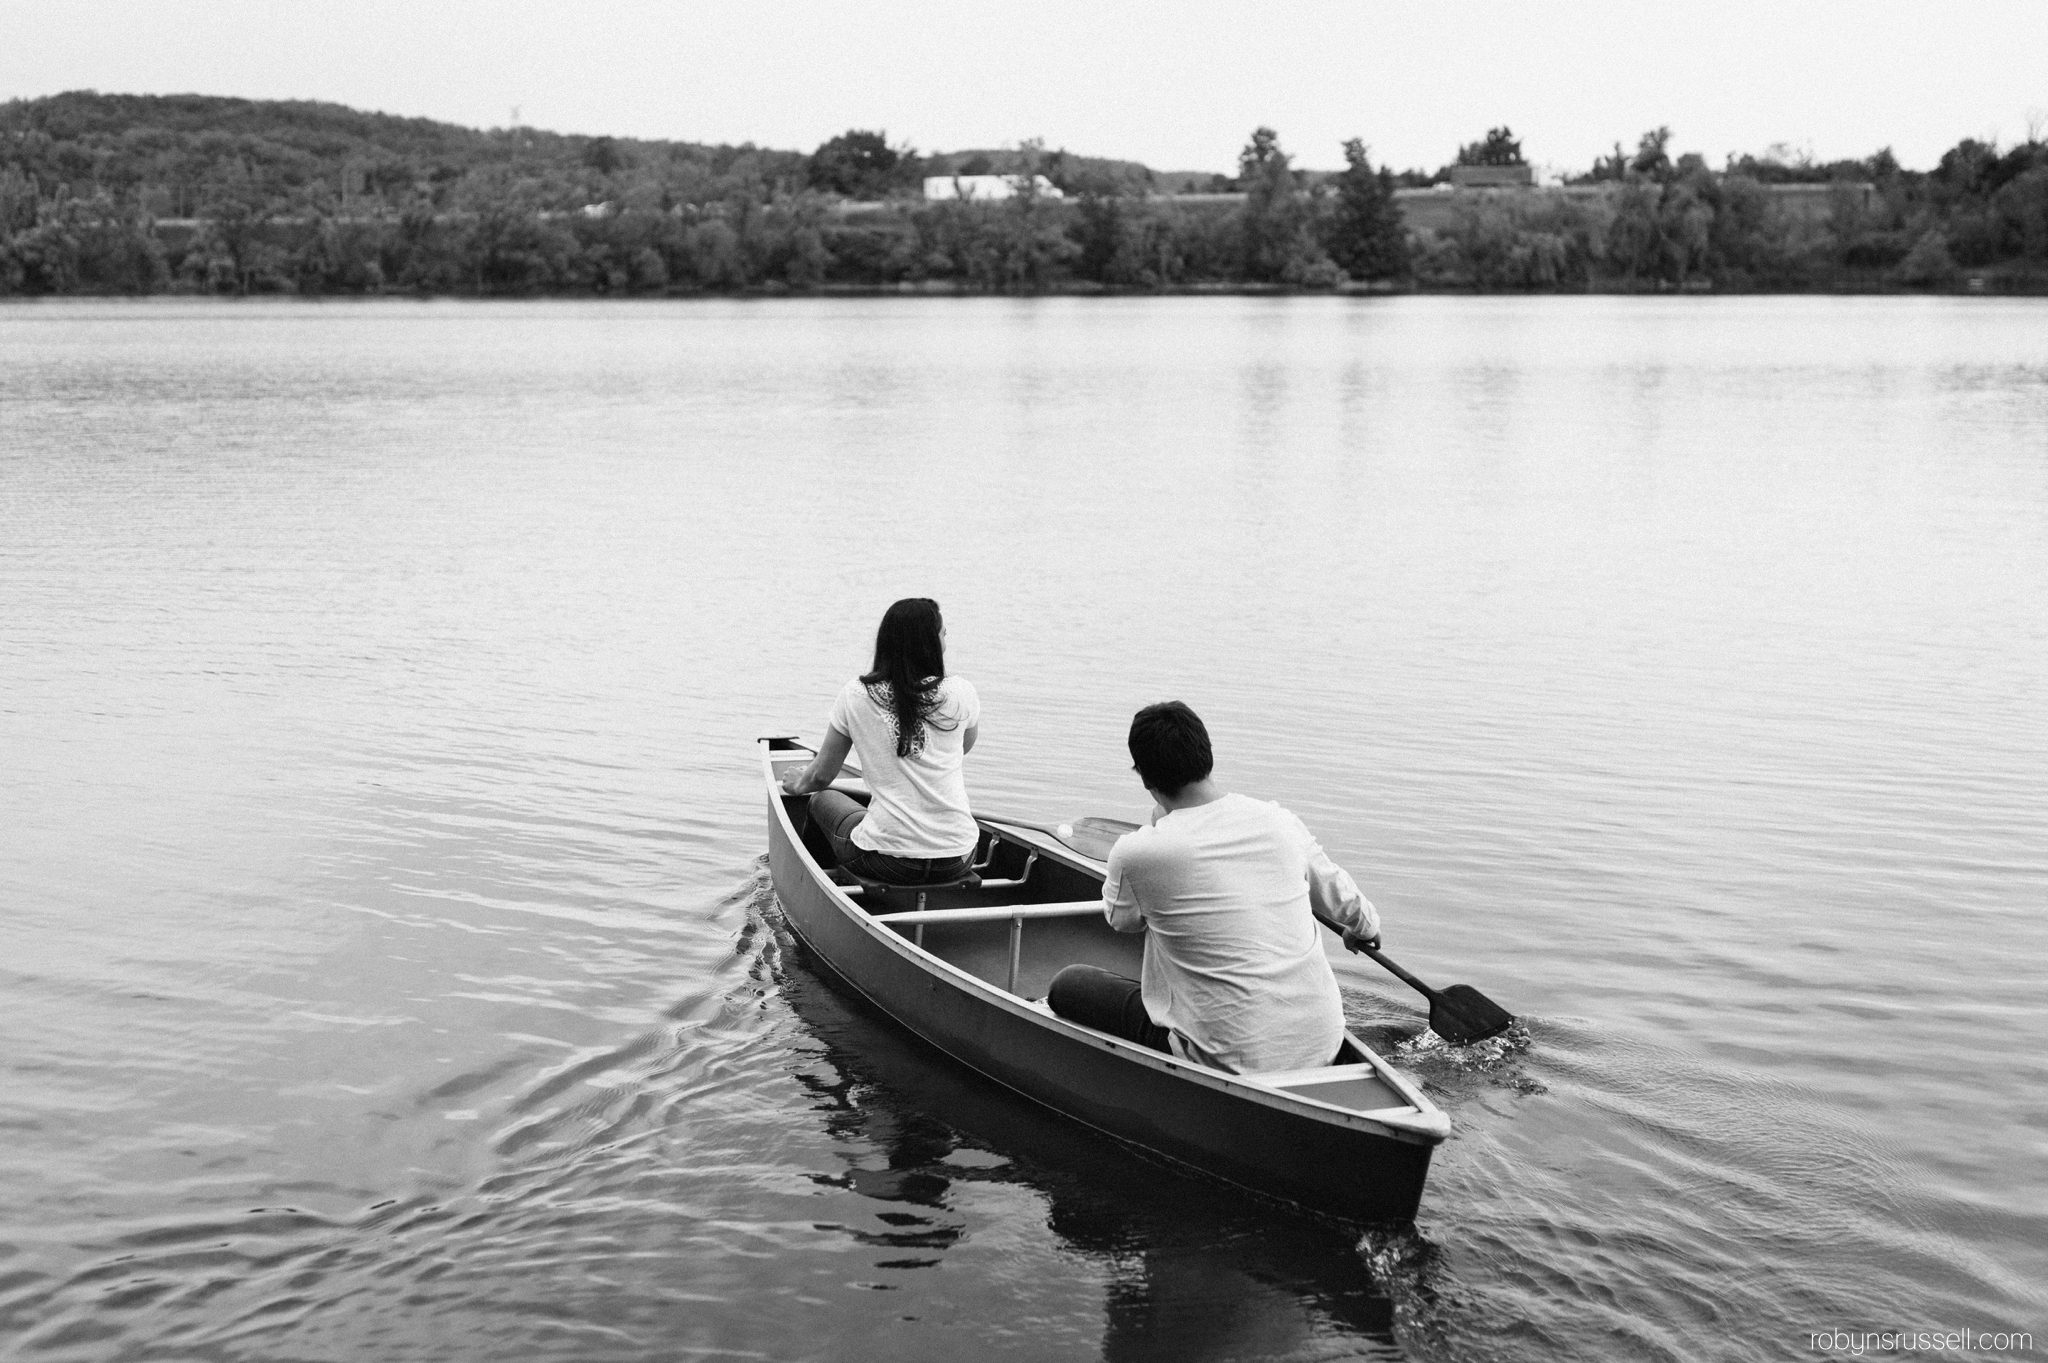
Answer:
(1108, 1002)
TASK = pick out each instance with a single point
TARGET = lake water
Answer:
(390, 969)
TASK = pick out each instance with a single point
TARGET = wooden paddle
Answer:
(1092, 838)
(1460, 1014)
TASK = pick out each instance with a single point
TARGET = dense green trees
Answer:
(1994, 201)
(80, 246)
(860, 165)
(1363, 231)
(135, 194)
(1499, 148)
(1279, 219)
(1668, 221)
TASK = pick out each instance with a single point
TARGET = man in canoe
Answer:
(1222, 885)
(911, 725)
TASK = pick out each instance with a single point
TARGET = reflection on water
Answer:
(1191, 1270)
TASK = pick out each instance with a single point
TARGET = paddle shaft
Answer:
(1403, 975)
(1334, 926)
(1460, 1014)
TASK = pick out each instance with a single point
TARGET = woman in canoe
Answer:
(910, 724)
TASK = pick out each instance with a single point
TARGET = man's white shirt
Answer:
(1234, 961)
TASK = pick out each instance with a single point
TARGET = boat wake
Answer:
(1497, 1062)
(1499, 1058)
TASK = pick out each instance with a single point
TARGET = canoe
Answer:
(966, 970)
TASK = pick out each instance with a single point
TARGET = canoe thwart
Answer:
(1013, 914)
(993, 913)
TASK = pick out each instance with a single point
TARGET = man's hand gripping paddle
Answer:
(1460, 1015)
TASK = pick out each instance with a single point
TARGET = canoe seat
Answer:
(879, 895)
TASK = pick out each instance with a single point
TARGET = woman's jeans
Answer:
(837, 814)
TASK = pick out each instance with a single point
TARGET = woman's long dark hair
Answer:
(910, 662)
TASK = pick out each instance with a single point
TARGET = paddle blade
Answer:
(1462, 1015)
(1087, 837)
(1110, 828)
(1092, 838)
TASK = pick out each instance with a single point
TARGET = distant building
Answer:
(1517, 176)
(988, 187)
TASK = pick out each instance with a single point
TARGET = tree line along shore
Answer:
(132, 194)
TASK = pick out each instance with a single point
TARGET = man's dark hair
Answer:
(1170, 746)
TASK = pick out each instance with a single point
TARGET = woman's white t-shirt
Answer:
(920, 804)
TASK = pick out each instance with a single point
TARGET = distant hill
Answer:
(317, 128)
(177, 156)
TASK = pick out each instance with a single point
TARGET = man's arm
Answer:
(1333, 894)
(823, 768)
(1119, 896)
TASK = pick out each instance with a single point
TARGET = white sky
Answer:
(1177, 85)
